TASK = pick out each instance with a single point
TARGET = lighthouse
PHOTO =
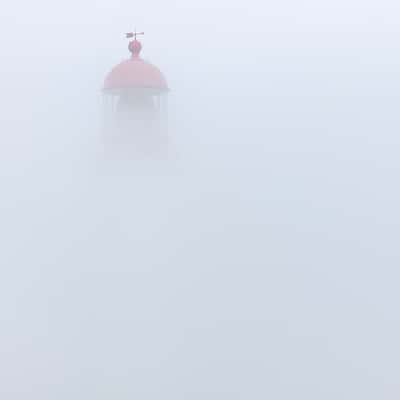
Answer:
(135, 102)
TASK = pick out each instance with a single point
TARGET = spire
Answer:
(134, 46)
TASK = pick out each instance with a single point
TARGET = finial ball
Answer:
(135, 47)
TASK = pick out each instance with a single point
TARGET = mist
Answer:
(258, 259)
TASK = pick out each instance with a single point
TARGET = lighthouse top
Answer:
(135, 73)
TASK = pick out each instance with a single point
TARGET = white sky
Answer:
(261, 263)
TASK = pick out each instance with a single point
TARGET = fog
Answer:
(258, 259)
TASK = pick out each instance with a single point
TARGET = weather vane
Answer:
(134, 34)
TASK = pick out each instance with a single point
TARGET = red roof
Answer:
(135, 73)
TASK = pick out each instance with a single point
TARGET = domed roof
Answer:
(135, 73)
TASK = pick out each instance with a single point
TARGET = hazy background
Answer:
(260, 261)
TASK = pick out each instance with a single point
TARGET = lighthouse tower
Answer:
(136, 101)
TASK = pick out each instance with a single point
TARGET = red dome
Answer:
(135, 73)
